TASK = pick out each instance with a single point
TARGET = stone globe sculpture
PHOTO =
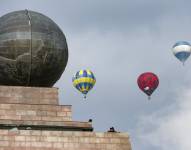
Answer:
(33, 50)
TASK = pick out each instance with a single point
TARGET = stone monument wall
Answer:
(62, 140)
(32, 119)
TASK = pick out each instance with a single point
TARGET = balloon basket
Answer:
(84, 96)
(149, 98)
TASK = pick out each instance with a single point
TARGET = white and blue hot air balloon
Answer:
(182, 50)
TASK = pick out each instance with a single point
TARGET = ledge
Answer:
(46, 125)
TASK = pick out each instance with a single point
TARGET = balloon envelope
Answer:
(148, 82)
(182, 50)
(84, 81)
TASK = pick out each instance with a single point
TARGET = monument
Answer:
(33, 50)
(33, 55)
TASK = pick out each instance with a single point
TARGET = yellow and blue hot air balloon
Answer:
(182, 50)
(84, 81)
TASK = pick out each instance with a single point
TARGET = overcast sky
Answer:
(118, 40)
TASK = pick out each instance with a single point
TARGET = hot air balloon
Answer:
(181, 50)
(148, 82)
(84, 81)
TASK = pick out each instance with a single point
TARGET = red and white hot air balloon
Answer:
(148, 82)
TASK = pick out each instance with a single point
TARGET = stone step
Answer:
(45, 125)
(28, 95)
(39, 112)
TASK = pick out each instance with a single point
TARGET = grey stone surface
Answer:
(33, 50)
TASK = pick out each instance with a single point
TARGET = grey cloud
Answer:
(118, 40)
